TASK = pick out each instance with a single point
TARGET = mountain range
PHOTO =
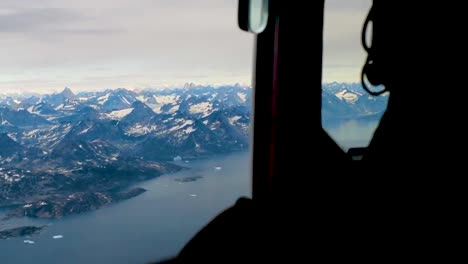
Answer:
(67, 153)
(349, 101)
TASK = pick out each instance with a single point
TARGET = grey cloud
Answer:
(343, 54)
(32, 19)
(38, 21)
(54, 43)
(97, 32)
(90, 44)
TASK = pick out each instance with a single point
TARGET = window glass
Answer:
(124, 126)
(349, 114)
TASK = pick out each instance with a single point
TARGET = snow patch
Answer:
(155, 108)
(186, 123)
(31, 133)
(85, 130)
(141, 98)
(166, 99)
(190, 130)
(140, 129)
(204, 107)
(59, 107)
(5, 122)
(347, 96)
(103, 99)
(124, 99)
(119, 114)
(69, 107)
(233, 119)
(173, 109)
(242, 97)
(213, 96)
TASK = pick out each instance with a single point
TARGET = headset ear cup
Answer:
(364, 31)
(371, 69)
(371, 73)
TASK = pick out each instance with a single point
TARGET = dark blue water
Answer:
(156, 224)
(152, 226)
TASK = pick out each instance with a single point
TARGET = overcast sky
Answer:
(344, 56)
(96, 44)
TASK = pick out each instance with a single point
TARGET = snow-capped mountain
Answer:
(192, 123)
(158, 125)
(345, 101)
(9, 146)
(69, 152)
(21, 118)
(61, 98)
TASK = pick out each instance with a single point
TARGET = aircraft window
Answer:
(124, 126)
(349, 114)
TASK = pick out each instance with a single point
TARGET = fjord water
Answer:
(156, 224)
(352, 133)
(149, 227)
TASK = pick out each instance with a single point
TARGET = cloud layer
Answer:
(96, 44)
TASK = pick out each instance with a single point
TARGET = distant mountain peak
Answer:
(67, 93)
(348, 96)
(140, 112)
(9, 146)
(4, 137)
(139, 105)
(189, 85)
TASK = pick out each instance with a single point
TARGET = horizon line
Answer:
(161, 88)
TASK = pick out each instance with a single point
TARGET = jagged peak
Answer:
(6, 139)
(67, 93)
(139, 104)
